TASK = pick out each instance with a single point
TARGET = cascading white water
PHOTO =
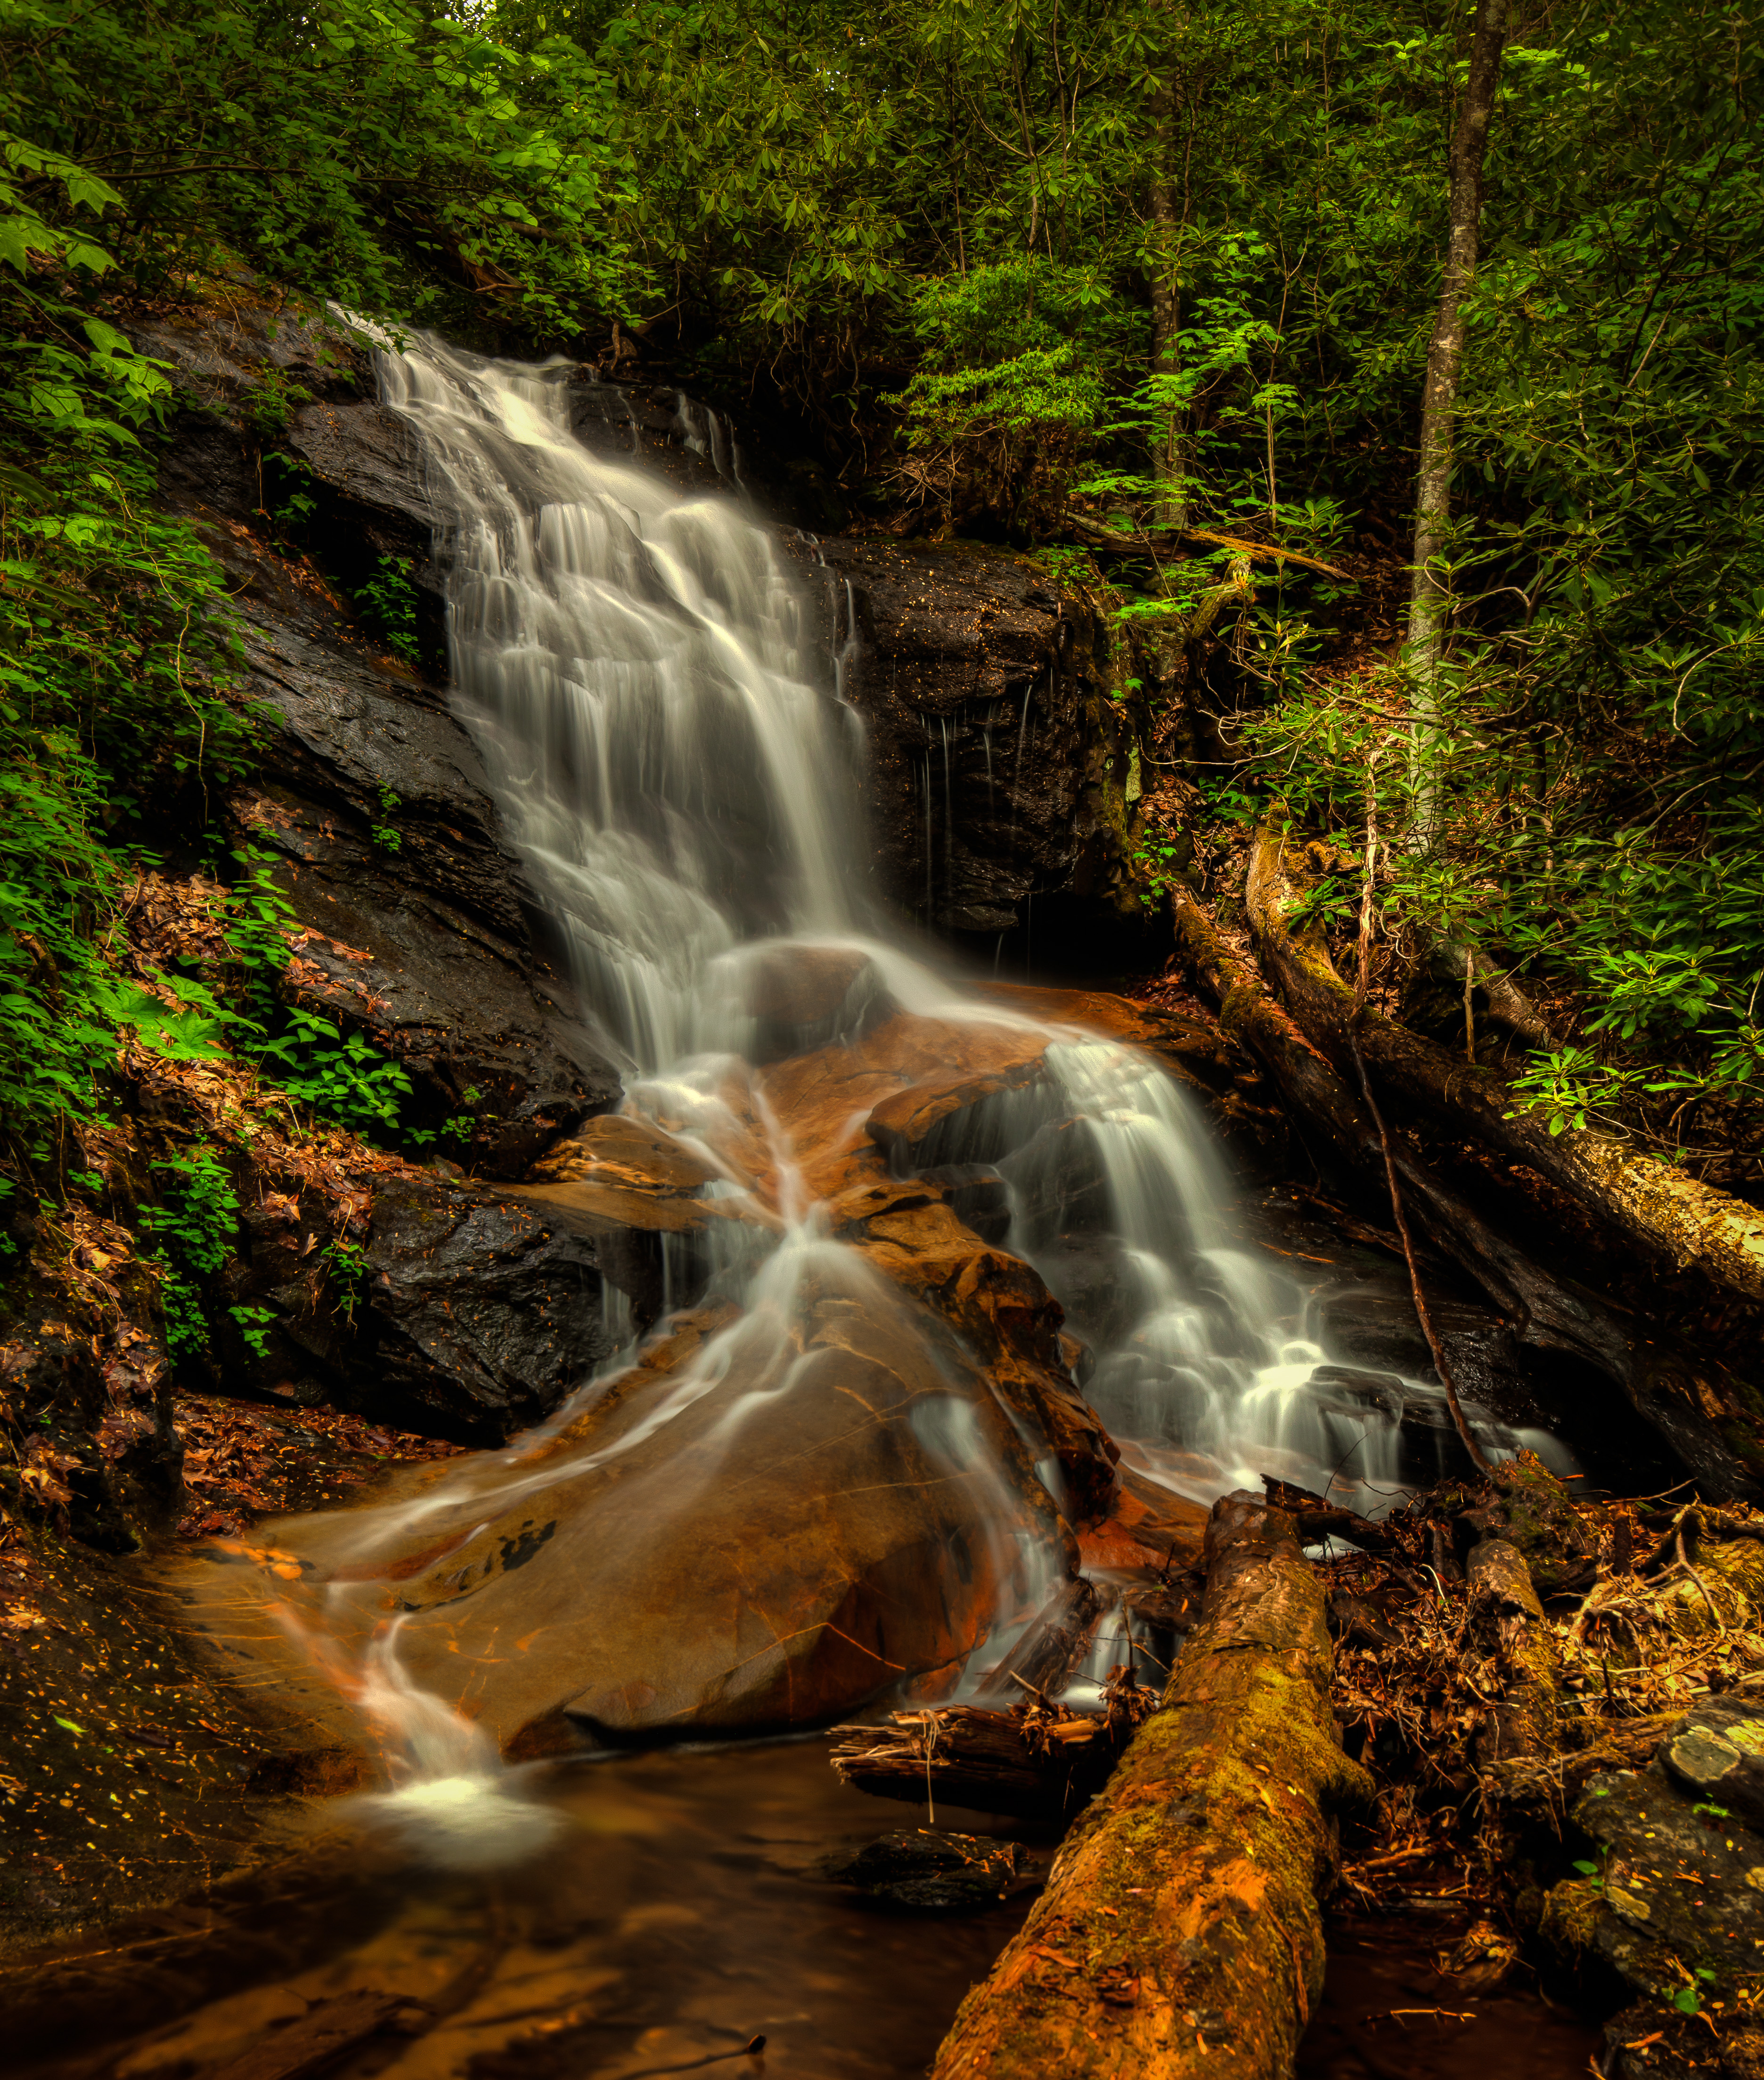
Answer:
(679, 777)
(631, 663)
(630, 659)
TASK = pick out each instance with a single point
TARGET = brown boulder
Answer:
(770, 1520)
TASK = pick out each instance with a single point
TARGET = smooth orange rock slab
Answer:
(617, 1148)
(892, 1088)
(772, 1519)
(1136, 1537)
(1002, 1310)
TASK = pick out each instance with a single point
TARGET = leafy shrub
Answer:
(997, 423)
(193, 1228)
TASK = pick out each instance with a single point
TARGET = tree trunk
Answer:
(1430, 596)
(1170, 458)
(1180, 1934)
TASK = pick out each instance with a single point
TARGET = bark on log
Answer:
(1180, 1934)
(1659, 1212)
(982, 1761)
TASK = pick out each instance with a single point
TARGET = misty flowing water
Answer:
(680, 771)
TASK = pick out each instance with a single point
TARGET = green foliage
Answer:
(1012, 389)
(192, 1229)
(343, 1078)
(386, 834)
(390, 600)
(378, 151)
(346, 1264)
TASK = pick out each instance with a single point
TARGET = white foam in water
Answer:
(677, 772)
(459, 1809)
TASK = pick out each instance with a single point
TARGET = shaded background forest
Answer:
(1146, 290)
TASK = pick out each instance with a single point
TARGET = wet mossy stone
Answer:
(1529, 1507)
(1717, 1752)
(1681, 1887)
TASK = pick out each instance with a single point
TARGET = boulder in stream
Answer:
(772, 1519)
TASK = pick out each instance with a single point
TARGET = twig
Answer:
(1478, 1457)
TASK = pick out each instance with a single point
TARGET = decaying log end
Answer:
(1179, 1933)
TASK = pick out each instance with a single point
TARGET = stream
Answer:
(847, 1447)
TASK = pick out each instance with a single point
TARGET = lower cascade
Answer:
(939, 1266)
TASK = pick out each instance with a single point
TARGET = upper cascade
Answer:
(630, 661)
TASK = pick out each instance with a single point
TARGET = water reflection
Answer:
(677, 1913)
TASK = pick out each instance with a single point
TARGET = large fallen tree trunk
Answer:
(1660, 1212)
(1543, 1311)
(1179, 1933)
(1662, 1383)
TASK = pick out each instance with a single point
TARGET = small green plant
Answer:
(386, 834)
(269, 406)
(1688, 1999)
(347, 1079)
(391, 601)
(255, 1327)
(345, 1263)
(1595, 1873)
(1158, 858)
(192, 1228)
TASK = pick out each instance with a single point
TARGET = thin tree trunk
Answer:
(1430, 596)
(1170, 456)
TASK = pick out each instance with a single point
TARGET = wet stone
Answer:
(929, 1872)
(1717, 1752)
(1674, 1883)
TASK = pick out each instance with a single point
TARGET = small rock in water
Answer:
(465, 1824)
(931, 1872)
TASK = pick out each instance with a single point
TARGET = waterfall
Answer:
(676, 771)
(631, 663)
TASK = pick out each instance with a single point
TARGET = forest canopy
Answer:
(1146, 289)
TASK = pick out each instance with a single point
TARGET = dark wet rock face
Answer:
(98, 1450)
(426, 934)
(1677, 1898)
(1002, 779)
(481, 1316)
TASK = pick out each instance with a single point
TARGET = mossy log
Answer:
(1661, 1213)
(1506, 1604)
(1180, 1934)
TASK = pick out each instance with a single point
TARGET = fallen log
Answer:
(1180, 1934)
(1543, 1311)
(1661, 1213)
(1667, 1386)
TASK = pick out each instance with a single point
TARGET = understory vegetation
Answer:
(1152, 287)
